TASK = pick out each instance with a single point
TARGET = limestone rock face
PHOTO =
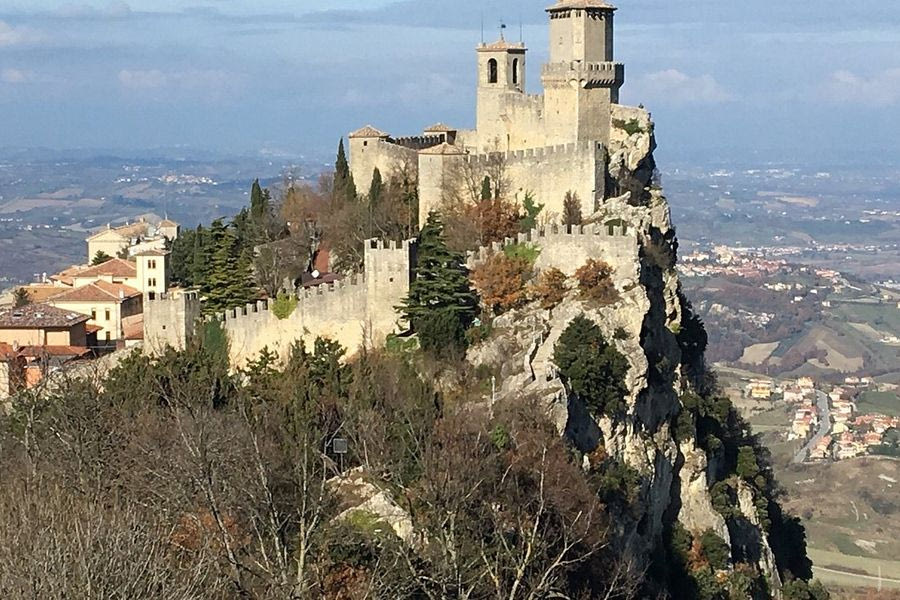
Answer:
(642, 325)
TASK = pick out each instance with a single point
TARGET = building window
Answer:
(107, 336)
(107, 314)
(152, 264)
(492, 70)
(515, 71)
(151, 282)
(94, 314)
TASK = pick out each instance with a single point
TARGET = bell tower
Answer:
(582, 79)
(501, 71)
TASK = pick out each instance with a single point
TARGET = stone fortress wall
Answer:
(363, 311)
(354, 312)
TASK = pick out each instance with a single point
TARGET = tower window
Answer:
(492, 71)
(515, 71)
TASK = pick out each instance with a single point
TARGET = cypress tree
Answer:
(486, 188)
(200, 260)
(344, 187)
(441, 286)
(182, 258)
(376, 189)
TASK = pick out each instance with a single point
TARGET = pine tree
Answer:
(229, 282)
(100, 258)
(441, 286)
(344, 187)
(260, 215)
(21, 298)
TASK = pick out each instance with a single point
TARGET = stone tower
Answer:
(501, 70)
(170, 320)
(581, 81)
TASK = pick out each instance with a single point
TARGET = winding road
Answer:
(824, 427)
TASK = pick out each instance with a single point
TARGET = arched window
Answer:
(492, 70)
(515, 71)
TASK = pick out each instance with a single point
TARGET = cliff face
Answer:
(646, 325)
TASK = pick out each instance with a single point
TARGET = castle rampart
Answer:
(385, 154)
(352, 312)
(169, 320)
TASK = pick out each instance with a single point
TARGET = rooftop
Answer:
(40, 316)
(368, 132)
(167, 223)
(152, 253)
(98, 291)
(128, 230)
(501, 44)
(115, 267)
(440, 128)
(582, 4)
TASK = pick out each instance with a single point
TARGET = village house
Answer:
(132, 238)
(105, 304)
(12, 370)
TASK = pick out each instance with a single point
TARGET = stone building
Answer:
(545, 145)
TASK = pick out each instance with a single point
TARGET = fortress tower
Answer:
(549, 144)
(581, 81)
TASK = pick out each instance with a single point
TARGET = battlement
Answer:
(187, 295)
(557, 233)
(417, 142)
(306, 298)
(544, 152)
(589, 73)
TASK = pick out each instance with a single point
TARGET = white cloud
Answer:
(209, 83)
(113, 10)
(675, 87)
(882, 89)
(14, 36)
(14, 76)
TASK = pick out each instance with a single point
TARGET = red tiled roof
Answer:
(38, 351)
(167, 223)
(152, 253)
(116, 267)
(368, 132)
(40, 316)
(89, 329)
(98, 291)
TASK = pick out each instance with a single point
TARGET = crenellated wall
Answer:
(567, 249)
(169, 320)
(352, 312)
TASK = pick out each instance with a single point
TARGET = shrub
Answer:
(284, 306)
(501, 282)
(527, 252)
(595, 282)
(620, 334)
(550, 288)
(592, 368)
(715, 549)
(631, 126)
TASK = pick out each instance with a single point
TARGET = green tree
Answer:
(376, 189)
(100, 258)
(344, 188)
(532, 210)
(203, 242)
(715, 550)
(21, 298)
(591, 367)
(441, 284)
(747, 467)
(182, 258)
(571, 210)
(229, 282)
(486, 191)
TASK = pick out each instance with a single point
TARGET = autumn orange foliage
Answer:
(595, 282)
(550, 288)
(501, 282)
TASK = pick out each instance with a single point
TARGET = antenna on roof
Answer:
(502, 27)
(521, 27)
(482, 27)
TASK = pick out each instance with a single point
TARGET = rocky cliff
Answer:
(681, 439)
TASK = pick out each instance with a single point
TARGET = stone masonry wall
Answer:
(368, 153)
(353, 313)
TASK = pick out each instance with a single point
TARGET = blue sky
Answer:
(769, 79)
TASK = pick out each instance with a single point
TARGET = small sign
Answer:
(340, 446)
